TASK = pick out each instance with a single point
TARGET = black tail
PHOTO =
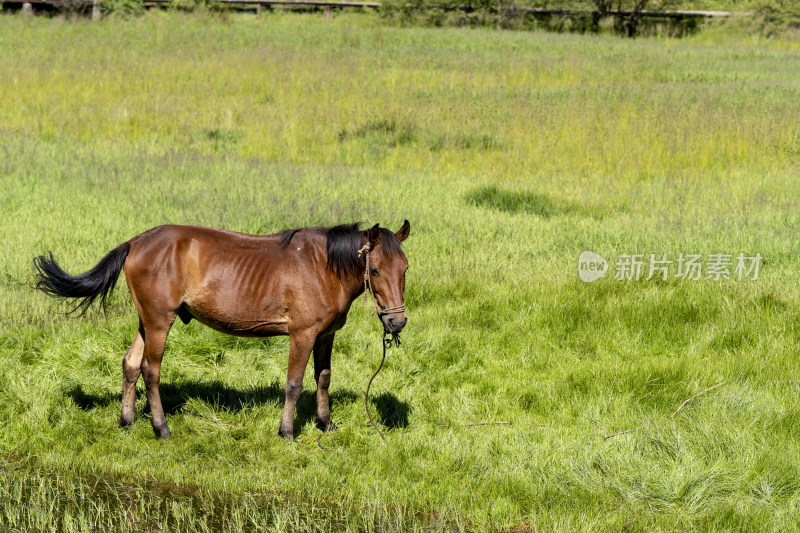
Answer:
(99, 281)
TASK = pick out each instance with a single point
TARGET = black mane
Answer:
(342, 244)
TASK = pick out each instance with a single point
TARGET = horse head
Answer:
(385, 274)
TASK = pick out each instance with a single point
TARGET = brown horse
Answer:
(298, 282)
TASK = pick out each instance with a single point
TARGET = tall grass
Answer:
(510, 154)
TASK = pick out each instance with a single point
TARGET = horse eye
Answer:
(373, 271)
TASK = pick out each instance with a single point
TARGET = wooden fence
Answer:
(27, 7)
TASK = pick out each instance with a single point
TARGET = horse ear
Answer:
(373, 234)
(403, 232)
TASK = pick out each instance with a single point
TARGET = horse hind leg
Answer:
(155, 339)
(131, 368)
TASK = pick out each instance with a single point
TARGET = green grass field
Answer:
(510, 153)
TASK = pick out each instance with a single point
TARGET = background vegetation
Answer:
(769, 17)
(510, 153)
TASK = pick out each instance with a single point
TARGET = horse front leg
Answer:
(300, 345)
(322, 373)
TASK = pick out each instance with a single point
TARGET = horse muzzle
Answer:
(394, 322)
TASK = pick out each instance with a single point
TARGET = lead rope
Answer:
(387, 340)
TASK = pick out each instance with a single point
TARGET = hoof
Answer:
(162, 433)
(288, 435)
(327, 427)
(125, 423)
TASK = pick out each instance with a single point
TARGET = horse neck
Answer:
(352, 281)
(353, 285)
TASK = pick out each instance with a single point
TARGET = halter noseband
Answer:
(364, 251)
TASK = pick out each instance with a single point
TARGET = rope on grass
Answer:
(387, 341)
(502, 422)
(670, 417)
(321, 447)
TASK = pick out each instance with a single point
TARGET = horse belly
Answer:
(241, 321)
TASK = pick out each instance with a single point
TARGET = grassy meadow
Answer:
(510, 153)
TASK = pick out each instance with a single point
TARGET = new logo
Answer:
(591, 266)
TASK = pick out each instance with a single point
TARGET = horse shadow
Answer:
(391, 411)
